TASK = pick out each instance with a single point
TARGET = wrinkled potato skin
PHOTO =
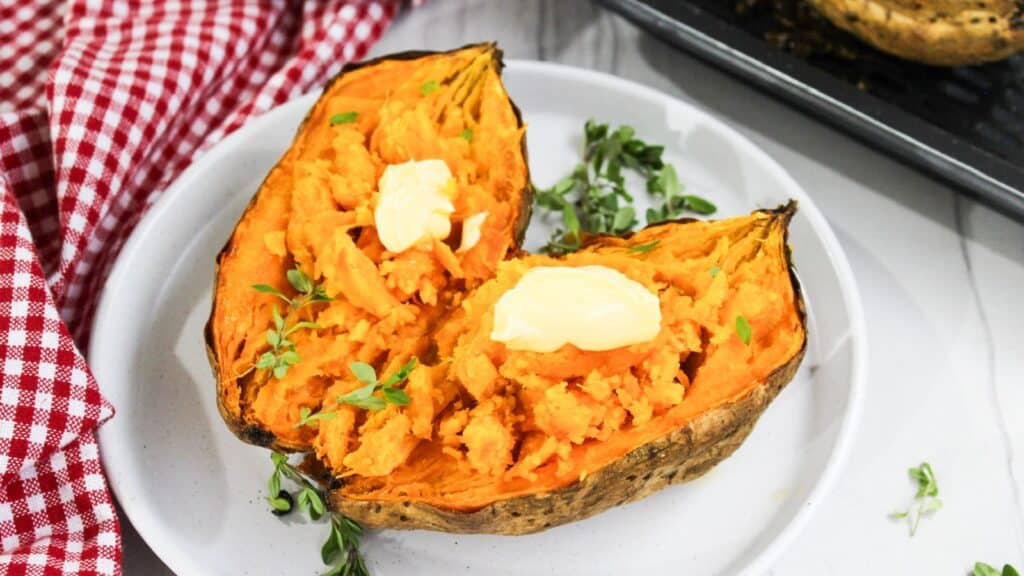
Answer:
(935, 32)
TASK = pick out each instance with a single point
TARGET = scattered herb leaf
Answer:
(644, 248)
(700, 205)
(714, 270)
(363, 372)
(402, 373)
(466, 135)
(344, 118)
(429, 87)
(309, 418)
(743, 329)
(281, 504)
(593, 199)
(267, 289)
(926, 500)
(925, 478)
(982, 569)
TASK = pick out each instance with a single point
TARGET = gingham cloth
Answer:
(102, 104)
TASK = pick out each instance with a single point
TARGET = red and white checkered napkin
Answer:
(102, 104)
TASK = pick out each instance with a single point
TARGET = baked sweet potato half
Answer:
(313, 244)
(937, 32)
(508, 441)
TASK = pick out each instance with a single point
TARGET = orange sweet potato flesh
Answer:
(490, 430)
(314, 211)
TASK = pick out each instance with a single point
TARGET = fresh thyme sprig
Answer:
(593, 198)
(342, 544)
(341, 549)
(982, 569)
(309, 498)
(282, 354)
(364, 397)
(926, 500)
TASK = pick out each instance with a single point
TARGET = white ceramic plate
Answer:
(194, 492)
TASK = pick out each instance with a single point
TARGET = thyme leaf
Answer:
(343, 118)
(743, 329)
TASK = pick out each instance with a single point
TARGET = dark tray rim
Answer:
(991, 179)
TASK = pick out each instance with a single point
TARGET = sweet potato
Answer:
(937, 32)
(518, 441)
(314, 212)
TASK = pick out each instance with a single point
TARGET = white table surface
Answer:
(941, 276)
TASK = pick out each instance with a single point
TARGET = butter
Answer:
(414, 204)
(591, 307)
(471, 231)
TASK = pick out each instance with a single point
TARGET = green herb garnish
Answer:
(666, 185)
(644, 248)
(429, 87)
(466, 135)
(714, 270)
(982, 569)
(743, 329)
(926, 500)
(310, 499)
(282, 354)
(344, 118)
(343, 543)
(307, 417)
(341, 550)
(365, 397)
(593, 199)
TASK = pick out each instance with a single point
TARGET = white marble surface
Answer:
(941, 277)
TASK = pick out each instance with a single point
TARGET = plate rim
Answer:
(144, 519)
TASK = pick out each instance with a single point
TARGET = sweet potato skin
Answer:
(683, 455)
(229, 389)
(935, 33)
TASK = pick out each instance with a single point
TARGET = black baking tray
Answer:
(964, 125)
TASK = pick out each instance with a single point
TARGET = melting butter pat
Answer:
(471, 231)
(590, 307)
(414, 204)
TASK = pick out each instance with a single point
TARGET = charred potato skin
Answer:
(683, 455)
(232, 412)
(976, 35)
